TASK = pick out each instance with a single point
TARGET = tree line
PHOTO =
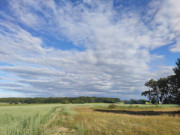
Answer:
(165, 90)
(63, 100)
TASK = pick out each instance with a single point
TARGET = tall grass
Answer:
(90, 122)
(37, 119)
(25, 119)
(64, 122)
(86, 121)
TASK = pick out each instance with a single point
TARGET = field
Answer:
(89, 119)
(24, 119)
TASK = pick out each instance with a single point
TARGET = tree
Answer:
(175, 81)
(165, 90)
(152, 93)
(64, 100)
(162, 85)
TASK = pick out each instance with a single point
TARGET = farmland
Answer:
(90, 119)
(24, 119)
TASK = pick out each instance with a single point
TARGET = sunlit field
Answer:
(89, 119)
(124, 124)
(25, 119)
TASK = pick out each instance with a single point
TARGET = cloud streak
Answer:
(117, 42)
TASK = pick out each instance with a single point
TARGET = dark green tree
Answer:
(175, 82)
(165, 90)
(152, 93)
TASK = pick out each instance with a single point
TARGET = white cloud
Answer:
(167, 17)
(115, 61)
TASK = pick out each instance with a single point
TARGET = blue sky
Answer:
(86, 47)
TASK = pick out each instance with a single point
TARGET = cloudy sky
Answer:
(86, 47)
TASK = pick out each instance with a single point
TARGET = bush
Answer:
(111, 106)
(65, 102)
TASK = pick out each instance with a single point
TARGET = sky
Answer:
(103, 48)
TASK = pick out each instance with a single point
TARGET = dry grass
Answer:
(86, 121)
(90, 122)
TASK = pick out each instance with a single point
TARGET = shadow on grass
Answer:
(140, 112)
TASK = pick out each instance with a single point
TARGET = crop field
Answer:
(25, 119)
(89, 119)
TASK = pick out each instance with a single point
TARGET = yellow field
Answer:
(124, 124)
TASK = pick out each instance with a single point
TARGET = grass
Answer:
(82, 119)
(139, 108)
(123, 124)
(64, 123)
(25, 119)
(86, 121)
(36, 119)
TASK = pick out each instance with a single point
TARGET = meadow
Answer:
(89, 119)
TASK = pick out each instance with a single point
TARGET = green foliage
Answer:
(63, 100)
(147, 103)
(165, 90)
(133, 101)
(111, 106)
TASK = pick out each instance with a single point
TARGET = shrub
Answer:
(111, 106)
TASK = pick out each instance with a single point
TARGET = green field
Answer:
(90, 119)
(24, 119)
